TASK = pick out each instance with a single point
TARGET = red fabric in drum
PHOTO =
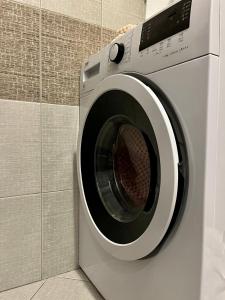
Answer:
(132, 165)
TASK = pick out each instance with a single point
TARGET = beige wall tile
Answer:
(116, 13)
(57, 288)
(115, 20)
(130, 7)
(155, 6)
(86, 10)
(20, 148)
(20, 240)
(60, 247)
(59, 136)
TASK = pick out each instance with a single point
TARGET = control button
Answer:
(116, 53)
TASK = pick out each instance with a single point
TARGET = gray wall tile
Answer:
(19, 55)
(59, 136)
(60, 215)
(20, 240)
(20, 148)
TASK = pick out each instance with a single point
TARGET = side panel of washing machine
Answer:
(214, 255)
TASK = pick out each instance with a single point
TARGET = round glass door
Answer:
(125, 167)
(120, 167)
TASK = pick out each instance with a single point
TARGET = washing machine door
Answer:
(128, 167)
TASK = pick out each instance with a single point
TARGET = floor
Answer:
(69, 286)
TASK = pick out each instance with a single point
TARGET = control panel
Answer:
(166, 24)
(182, 32)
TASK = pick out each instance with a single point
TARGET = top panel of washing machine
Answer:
(184, 31)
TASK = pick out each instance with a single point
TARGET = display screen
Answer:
(169, 22)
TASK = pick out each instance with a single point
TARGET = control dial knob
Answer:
(116, 53)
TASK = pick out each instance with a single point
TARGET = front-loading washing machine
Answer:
(151, 158)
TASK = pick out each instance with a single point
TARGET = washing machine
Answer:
(151, 163)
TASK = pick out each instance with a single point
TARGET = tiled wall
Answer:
(117, 13)
(155, 6)
(42, 45)
(19, 52)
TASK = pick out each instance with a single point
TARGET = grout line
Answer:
(64, 190)
(38, 289)
(40, 67)
(37, 193)
(21, 195)
(102, 23)
(102, 4)
(74, 279)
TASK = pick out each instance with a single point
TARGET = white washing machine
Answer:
(151, 160)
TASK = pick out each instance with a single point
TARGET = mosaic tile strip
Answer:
(66, 42)
(107, 36)
(19, 87)
(19, 55)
